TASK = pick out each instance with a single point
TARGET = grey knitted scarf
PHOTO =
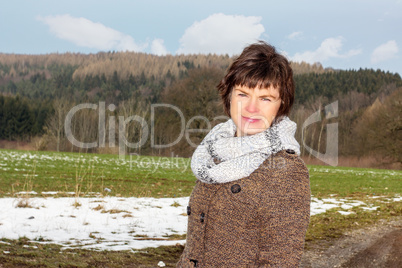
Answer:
(221, 157)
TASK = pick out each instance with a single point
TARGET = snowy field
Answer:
(113, 223)
(120, 223)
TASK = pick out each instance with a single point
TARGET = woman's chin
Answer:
(251, 131)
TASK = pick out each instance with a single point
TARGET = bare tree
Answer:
(133, 120)
(55, 123)
(379, 130)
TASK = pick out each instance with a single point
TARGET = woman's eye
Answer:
(242, 95)
(265, 99)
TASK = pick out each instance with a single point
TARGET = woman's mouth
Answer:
(250, 120)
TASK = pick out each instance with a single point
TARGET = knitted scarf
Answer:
(221, 157)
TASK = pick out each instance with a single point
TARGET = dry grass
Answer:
(115, 211)
(359, 162)
(99, 207)
(24, 203)
(24, 198)
(16, 145)
(76, 204)
(175, 204)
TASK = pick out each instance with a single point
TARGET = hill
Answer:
(37, 91)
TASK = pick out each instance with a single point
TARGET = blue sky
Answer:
(343, 34)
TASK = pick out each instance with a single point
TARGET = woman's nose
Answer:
(252, 106)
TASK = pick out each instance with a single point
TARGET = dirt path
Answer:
(376, 246)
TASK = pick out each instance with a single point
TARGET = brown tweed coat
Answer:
(257, 221)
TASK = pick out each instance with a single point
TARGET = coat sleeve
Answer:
(284, 216)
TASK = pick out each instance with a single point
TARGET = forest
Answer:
(38, 91)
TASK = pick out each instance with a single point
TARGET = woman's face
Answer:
(253, 109)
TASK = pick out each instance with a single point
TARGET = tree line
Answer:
(16, 66)
(21, 119)
(36, 93)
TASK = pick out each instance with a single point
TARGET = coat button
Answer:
(194, 261)
(188, 210)
(290, 151)
(202, 216)
(235, 188)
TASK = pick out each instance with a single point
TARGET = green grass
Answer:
(86, 174)
(141, 176)
(354, 182)
(332, 224)
(23, 253)
(137, 176)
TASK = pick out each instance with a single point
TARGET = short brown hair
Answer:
(260, 65)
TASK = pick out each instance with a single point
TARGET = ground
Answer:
(379, 246)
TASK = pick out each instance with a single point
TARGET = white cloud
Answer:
(221, 34)
(329, 48)
(295, 35)
(86, 33)
(385, 52)
(158, 48)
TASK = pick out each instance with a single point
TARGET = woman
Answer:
(250, 206)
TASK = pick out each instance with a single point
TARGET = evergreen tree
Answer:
(2, 117)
